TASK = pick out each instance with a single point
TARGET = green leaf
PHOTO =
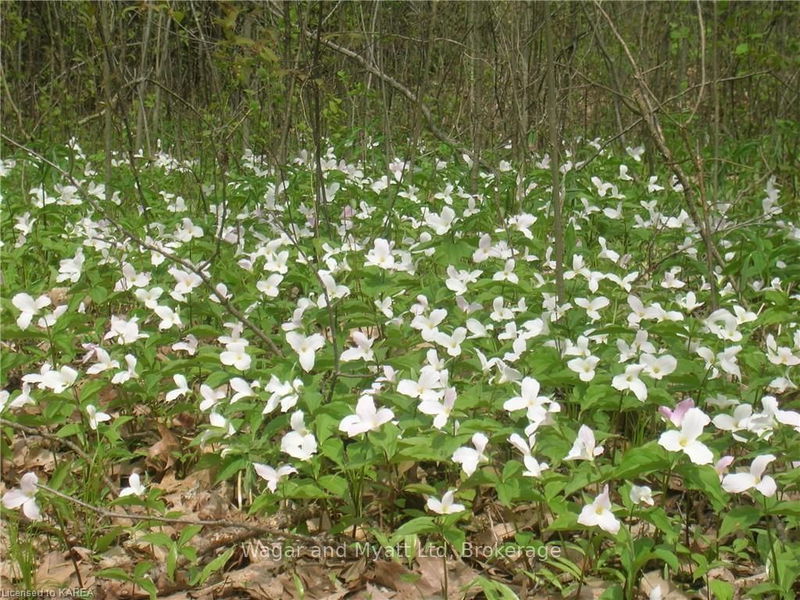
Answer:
(639, 461)
(215, 565)
(721, 590)
(416, 526)
(231, 466)
(739, 518)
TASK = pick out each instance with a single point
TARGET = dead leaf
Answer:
(652, 580)
(160, 455)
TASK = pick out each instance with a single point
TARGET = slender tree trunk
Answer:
(555, 143)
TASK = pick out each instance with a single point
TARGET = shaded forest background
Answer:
(215, 78)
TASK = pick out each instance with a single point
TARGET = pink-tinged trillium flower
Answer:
(598, 514)
(366, 418)
(676, 416)
(28, 307)
(362, 349)
(445, 506)
(235, 355)
(736, 483)
(299, 443)
(722, 465)
(641, 494)
(24, 496)
(306, 347)
(272, 475)
(584, 366)
(585, 446)
(135, 487)
(469, 458)
(629, 380)
(95, 416)
(686, 440)
(439, 409)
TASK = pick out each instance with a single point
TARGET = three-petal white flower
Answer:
(445, 506)
(24, 496)
(299, 443)
(366, 418)
(686, 440)
(469, 458)
(272, 475)
(306, 347)
(598, 514)
(736, 483)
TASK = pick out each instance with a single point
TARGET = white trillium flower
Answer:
(299, 443)
(181, 390)
(104, 362)
(135, 487)
(24, 496)
(28, 307)
(598, 514)
(686, 440)
(235, 355)
(469, 458)
(306, 347)
(129, 373)
(584, 367)
(366, 418)
(211, 396)
(445, 506)
(658, 367)
(272, 475)
(95, 416)
(642, 494)
(270, 286)
(439, 409)
(629, 380)
(362, 349)
(736, 483)
(585, 447)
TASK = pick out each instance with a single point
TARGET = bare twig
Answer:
(112, 514)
